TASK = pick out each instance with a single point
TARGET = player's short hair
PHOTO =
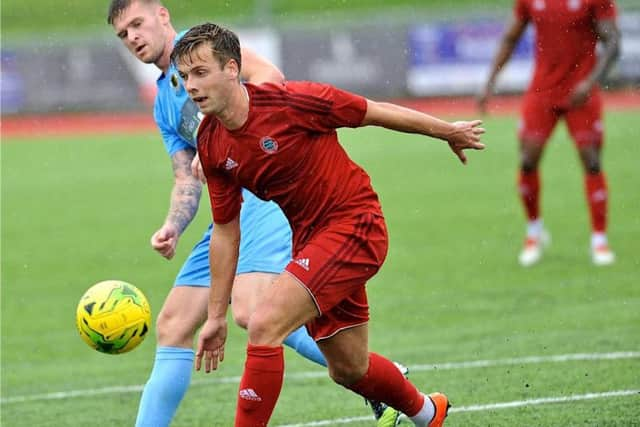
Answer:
(116, 7)
(224, 44)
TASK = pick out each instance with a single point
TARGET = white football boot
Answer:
(533, 247)
(602, 255)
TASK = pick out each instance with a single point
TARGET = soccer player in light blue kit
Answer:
(145, 28)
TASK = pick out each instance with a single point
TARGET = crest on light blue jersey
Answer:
(174, 80)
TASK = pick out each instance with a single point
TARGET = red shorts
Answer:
(334, 265)
(542, 110)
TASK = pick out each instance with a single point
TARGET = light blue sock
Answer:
(166, 386)
(300, 341)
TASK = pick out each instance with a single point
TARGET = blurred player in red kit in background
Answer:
(564, 85)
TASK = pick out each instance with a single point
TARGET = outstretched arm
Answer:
(223, 259)
(459, 135)
(507, 45)
(185, 199)
(256, 69)
(609, 35)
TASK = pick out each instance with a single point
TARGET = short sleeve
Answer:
(521, 10)
(173, 142)
(604, 9)
(225, 194)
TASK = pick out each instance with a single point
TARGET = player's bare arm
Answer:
(609, 36)
(185, 199)
(256, 69)
(459, 135)
(508, 43)
(223, 259)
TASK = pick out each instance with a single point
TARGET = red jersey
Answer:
(288, 151)
(565, 39)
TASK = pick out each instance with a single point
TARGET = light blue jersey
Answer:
(265, 244)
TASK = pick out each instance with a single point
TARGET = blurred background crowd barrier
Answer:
(398, 58)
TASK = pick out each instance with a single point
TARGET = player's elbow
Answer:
(272, 75)
(277, 77)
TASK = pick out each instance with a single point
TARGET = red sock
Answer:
(597, 195)
(529, 189)
(384, 382)
(260, 385)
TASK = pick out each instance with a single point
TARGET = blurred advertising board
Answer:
(628, 67)
(368, 60)
(53, 77)
(454, 58)
(12, 90)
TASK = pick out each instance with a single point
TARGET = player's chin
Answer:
(205, 108)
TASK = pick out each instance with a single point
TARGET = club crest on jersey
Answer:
(174, 81)
(269, 145)
(573, 4)
(539, 5)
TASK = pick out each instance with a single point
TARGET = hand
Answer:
(580, 93)
(464, 136)
(196, 169)
(211, 344)
(482, 99)
(165, 240)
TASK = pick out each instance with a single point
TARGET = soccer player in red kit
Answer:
(280, 142)
(564, 85)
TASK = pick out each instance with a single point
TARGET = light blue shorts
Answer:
(265, 244)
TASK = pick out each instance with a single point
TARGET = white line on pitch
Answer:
(487, 407)
(319, 374)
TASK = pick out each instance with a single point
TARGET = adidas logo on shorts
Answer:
(303, 262)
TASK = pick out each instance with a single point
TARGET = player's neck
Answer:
(165, 60)
(237, 112)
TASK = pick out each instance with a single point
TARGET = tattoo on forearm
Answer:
(185, 200)
(185, 197)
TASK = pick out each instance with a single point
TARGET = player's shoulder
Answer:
(291, 86)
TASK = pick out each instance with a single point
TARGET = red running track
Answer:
(30, 126)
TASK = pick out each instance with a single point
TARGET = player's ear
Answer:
(164, 15)
(231, 67)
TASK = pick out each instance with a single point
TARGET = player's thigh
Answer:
(284, 306)
(247, 290)
(585, 122)
(347, 353)
(538, 118)
(338, 260)
(183, 312)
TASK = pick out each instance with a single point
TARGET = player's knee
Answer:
(264, 329)
(528, 164)
(174, 330)
(592, 168)
(591, 164)
(346, 372)
(241, 317)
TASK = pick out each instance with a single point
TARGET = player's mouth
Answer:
(199, 99)
(139, 49)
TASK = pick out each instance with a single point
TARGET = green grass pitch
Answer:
(79, 210)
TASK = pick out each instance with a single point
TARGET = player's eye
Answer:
(122, 35)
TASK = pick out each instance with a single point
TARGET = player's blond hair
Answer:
(116, 7)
